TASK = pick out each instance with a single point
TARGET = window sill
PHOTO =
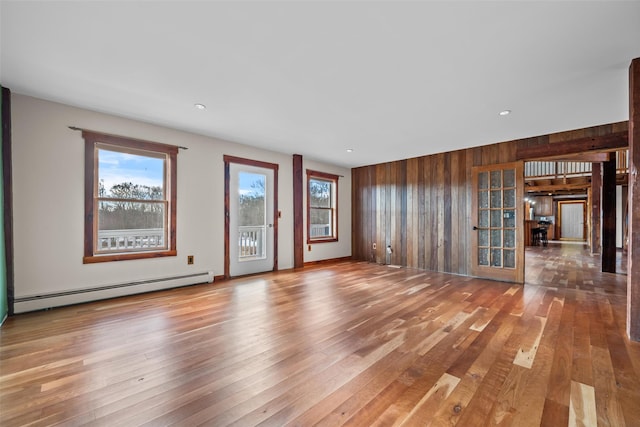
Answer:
(126, 256)
(327, 240)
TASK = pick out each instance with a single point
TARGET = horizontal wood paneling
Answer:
(421, 207)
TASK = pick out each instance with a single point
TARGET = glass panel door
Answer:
(251, 219)
(497, 244)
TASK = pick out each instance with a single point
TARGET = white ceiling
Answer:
(391, 80)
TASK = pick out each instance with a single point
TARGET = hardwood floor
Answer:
(571, 265)
(336, 344)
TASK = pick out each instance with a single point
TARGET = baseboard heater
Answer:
(76, 296)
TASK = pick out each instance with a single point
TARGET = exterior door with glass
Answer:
(497, 242)
(251, 219)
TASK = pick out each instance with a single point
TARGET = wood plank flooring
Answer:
(351, 344)
(571, 266)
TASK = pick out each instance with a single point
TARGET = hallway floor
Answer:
(571, 266)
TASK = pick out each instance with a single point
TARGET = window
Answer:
(322, 207)
(130, 195)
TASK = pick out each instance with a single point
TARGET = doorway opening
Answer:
(558, 197)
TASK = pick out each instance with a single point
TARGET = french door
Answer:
(251, 220)
(497, 239)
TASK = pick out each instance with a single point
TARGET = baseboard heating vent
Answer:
(57, 299)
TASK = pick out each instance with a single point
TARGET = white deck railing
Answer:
(251, 241)
(564, 169)
(320, 230)
(130, 240)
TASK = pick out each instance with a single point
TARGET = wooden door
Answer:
(572, 220)
(497, 243)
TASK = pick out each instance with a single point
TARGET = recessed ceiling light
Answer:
(349, 150)
(200, 106)
(505, 112)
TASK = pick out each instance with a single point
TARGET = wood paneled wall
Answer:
(421, 207)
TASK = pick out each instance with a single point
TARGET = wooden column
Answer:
(7, 181)
(596, 203)
(609, 215)
(633, 253)
(298, 212)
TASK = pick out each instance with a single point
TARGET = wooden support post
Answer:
(298, 212)
(633, 253)
(596, 203)
(609, 216)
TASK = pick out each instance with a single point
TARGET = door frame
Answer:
(584, 219)
(516, 275)
(227, 178)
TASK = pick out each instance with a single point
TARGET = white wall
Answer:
(48, 191)
(341, 248)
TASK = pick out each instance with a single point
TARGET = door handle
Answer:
(475, 228)
(270, 225)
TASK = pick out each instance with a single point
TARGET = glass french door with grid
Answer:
(497, 239)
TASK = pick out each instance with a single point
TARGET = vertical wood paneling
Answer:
(422, 206)
(431, 205)
(412, 212)
(440, 222)
(422, 228)
(380, 209)
(447, 217)
(454, 197)
(401, 174)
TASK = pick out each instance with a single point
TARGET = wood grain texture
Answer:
(348, 343)
(633, 284)
(609, 216)
(595, 203)
(436, 191)
(7, 182)
(298, 211)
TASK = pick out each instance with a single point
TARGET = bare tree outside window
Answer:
(322, 207)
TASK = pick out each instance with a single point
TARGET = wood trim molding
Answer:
(335, 179)
(633, 251)
(298, 212)
(7, 175)
(227, 177)
(250, 162)
(92, 141)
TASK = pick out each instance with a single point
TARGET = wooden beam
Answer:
(550, 188)
(596, 203)
(298, 212)
(581, 157)
(633, 253)
(608, 142)
(609, 216)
